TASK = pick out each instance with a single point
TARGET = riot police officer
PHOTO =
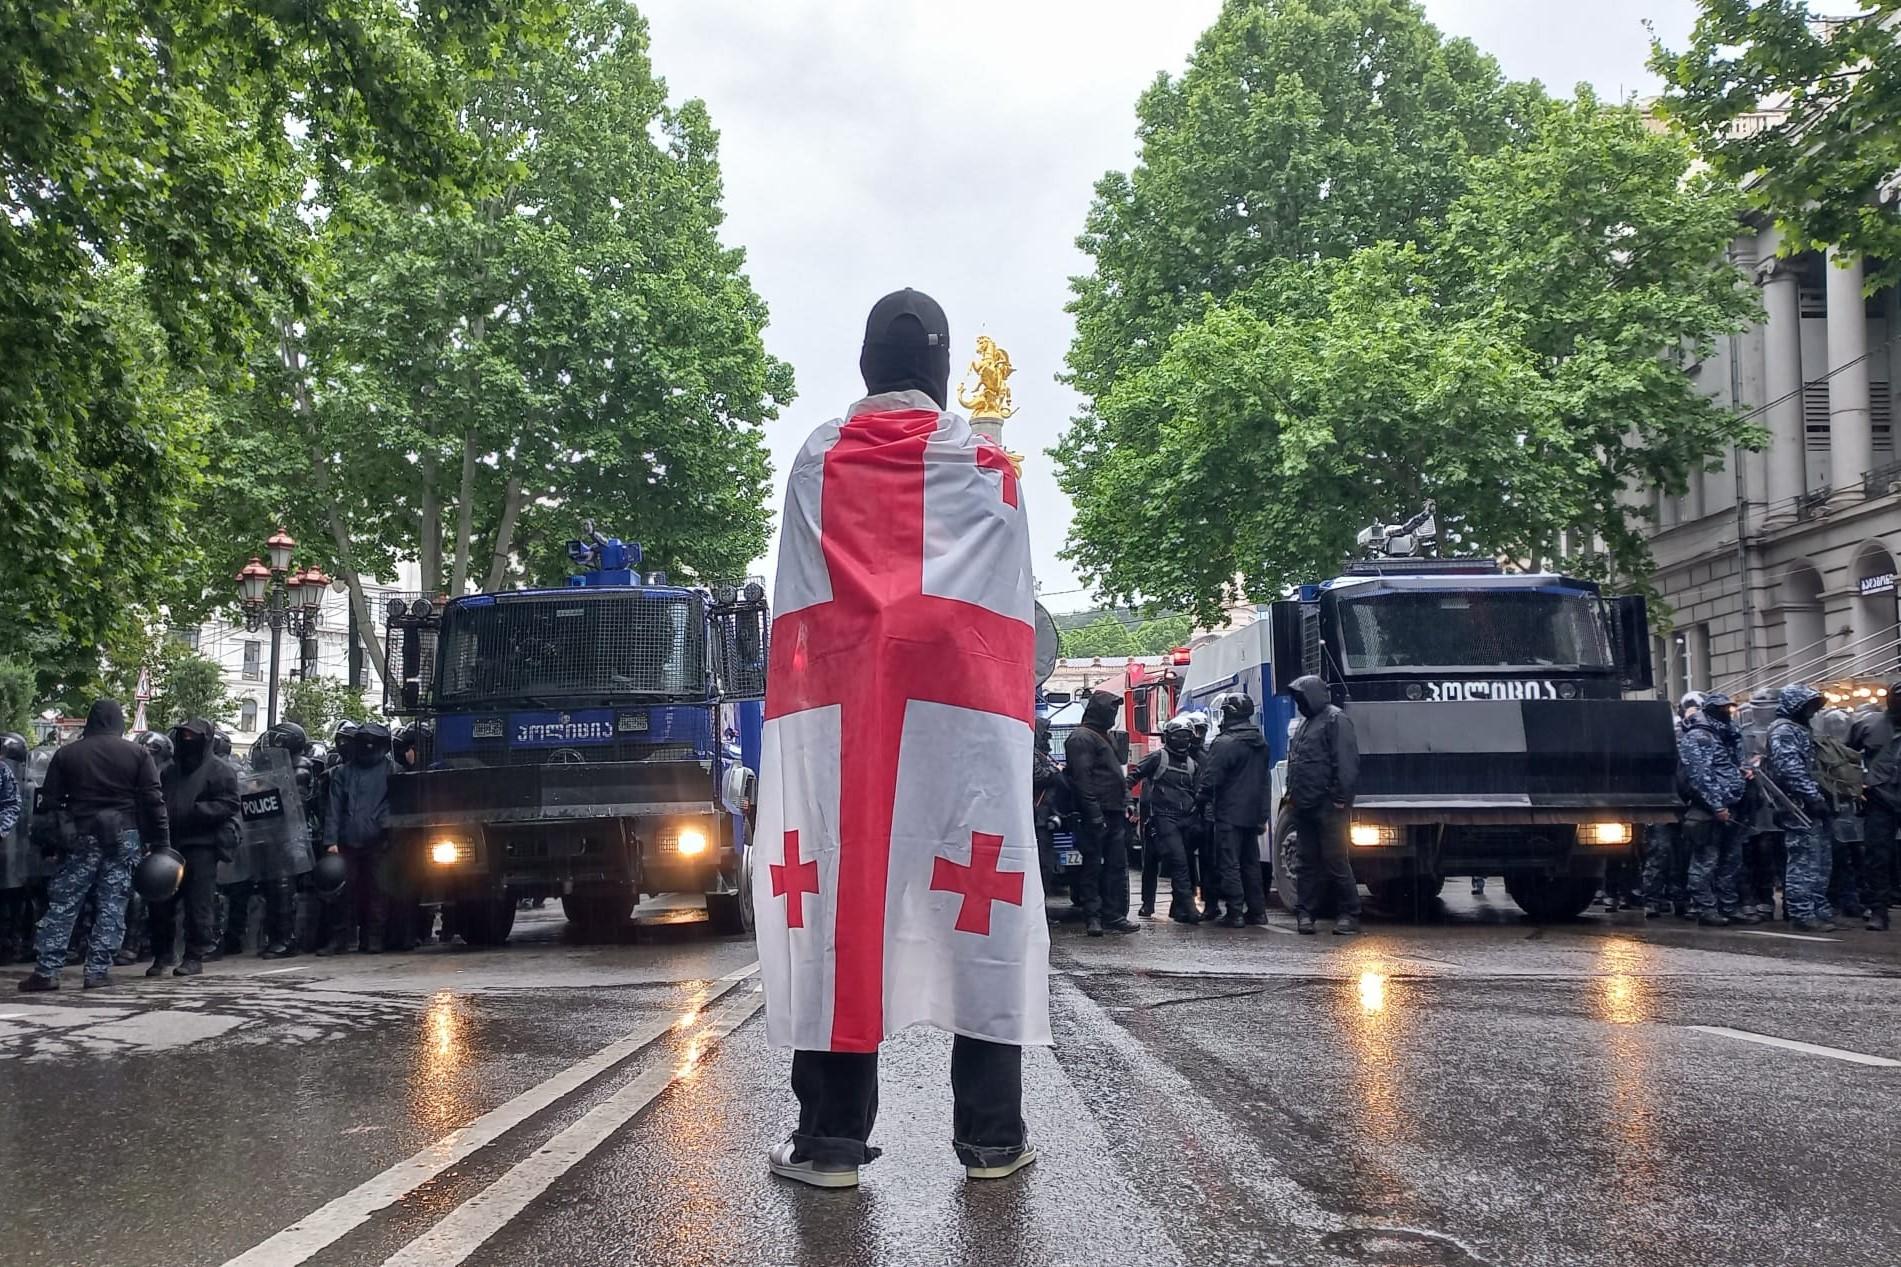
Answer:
(138, 923)
(279, 852)
(16, 853)
(1170, 779)
(356, 825)
(201, 803)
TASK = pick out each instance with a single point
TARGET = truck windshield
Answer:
(1454, 630)
(547, 649)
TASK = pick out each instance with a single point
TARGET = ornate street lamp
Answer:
(273, 595)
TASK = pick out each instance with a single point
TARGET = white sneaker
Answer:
(817, 1174)
(1005, 1169)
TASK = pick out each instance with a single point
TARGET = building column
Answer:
(1786, 477)
(1851, 437)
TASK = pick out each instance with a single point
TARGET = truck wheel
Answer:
(730, 914)
(485, 921)
(596, 916)
(1285, 861)
(1550, 899)
(1409, 896)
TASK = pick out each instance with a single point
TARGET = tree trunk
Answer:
(339, 534)
(504, 536)
(464, 519)
(429, 531)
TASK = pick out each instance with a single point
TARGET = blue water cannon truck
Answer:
(596, 743)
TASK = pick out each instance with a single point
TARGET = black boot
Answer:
(35, 983)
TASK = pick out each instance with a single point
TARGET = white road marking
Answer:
(1790, 1044)
(472, 1223)
(271, 972)
(1759, 932)
(335, 1220)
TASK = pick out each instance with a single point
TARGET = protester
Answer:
(201, 804)
(1170, 779)
(1098, 786)
(917, 900)
(103, 805)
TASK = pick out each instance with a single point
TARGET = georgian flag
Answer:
(896, 879)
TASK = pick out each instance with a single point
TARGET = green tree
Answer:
(1106, 636)
(186, 685)
(476, 378)
(1818, 171)
(149, 154)
(1162, 634)
(319, 703)
(19, 691)
(1500, 342)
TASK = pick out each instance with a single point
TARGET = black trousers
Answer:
(1208, 841)
(1105, 868)
(1878, 856)
(1167, 854)
(838, 1103)
(198, 896)
(1325, 870)
(1240, 856)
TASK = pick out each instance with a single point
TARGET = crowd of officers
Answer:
(1784, 793)
(1204, 806)
(171, 804)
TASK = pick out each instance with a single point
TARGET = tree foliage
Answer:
(478, 377)
(1106, 636)
(319, 703)
(150, 159)
(1470, 293)
(187, 685)
(1820, 170)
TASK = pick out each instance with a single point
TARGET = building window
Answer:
(186, 637)
(253, 655)
(247, 716)
(1702, 677)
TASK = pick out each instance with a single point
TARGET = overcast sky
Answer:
(869, 145)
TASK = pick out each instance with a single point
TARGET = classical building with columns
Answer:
(1780, 565)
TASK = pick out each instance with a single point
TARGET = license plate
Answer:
(1070, 858)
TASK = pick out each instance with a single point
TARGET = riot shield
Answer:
(20, 863)
(273, 837)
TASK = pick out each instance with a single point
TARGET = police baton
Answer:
(1780, 799)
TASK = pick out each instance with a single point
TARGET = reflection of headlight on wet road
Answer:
(1372, 992)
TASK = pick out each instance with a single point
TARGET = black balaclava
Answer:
(191, 743)
(1179, 740)
(907, 347)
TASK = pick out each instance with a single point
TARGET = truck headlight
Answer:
(1373, 835)
(446, 853)
(691, 841)
(1605, 833)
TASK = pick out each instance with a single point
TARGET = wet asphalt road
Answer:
(1473, 1090)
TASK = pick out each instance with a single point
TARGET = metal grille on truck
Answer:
(571, 646)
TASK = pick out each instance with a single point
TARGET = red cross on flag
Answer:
(896, 881)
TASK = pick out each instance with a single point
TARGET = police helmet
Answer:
(287, 735)
(1690, 700)
(317, 751)
(1178, 724)
(159, 874)
(13, 746)
(330, 875)
(373, 737)
(160, 746)
(220, 744)
(1237, 707)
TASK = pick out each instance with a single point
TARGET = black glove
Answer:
(1816, 807)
